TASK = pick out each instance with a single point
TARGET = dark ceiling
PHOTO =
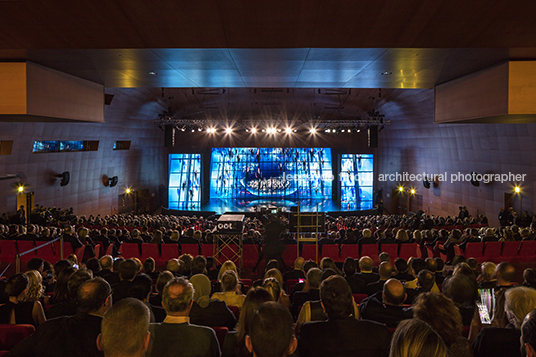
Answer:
(300, 46)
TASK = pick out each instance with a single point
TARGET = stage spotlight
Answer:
(211, 130)
(343, 130)
(253, 130)
(183, 128)
(271, 130)
(228, 130)
(263, 130)
(288, 130)
(295, 130)
(358, 130)
(199, 129)
(517, 189)
(278, 130)
(193, 130)
(327, 131)
(247, 130)
(312, 130)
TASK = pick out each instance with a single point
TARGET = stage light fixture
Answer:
(228, 130)
(400, 189)
(358, 130)
(327, 131)
(128, 190)
(517, 189)
(253, 130)
(20, 188)
(288, 130)
(278, 130)
(211, 130)
(199, 129)
(412, 191)
(312, 130)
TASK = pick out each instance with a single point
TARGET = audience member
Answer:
(127, 271)
(349, 267)
(415, 338)
(230, 294)
(70, 307)
(311, 290)
(141, 288)
(528, 335)
(385, 271)
(390, 309)
(366, 274)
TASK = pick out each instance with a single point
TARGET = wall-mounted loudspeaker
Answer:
(113, 181)
(65, 178)
(426, 183)
(474, 182)
(169, 136)
(373, 136)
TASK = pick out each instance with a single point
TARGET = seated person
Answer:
(206, 311)
(415, 337)
(231, 294)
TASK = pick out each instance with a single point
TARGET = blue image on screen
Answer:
(357, 176)
(292, 174)
(184, 182)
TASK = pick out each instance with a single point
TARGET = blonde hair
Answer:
(415, 338)
(228, 265)
(519, 302)
(35, 289)
(274, 273)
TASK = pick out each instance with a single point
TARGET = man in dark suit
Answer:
(356, 284)
(365, 265)
(310, 292)
(342, 334)
(176, 333)
(385, 271)
(297, 272)
(72, 335)
(125, 330)
(367, 238)
(386, 307)
(127, 272)
(69, 238)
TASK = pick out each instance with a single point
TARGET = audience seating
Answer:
(129, 250)
(47, 252)
(250, 255)
(510, 251)
(10, 335)
(8, 250)
(207, 250)
(474, 250)
(149, 250)
(391, 249)
(235, 310)
(98, 249)
(408, 250)
(527, 251)
(24, 246)
(67, 249)
(372, 251)
(492, 252)
(169, 251)
(359, 297)
(332, 251)
(290, 254)
(221, 332)
(349, 250)
(192, 249)
(290, 284)
(309, 252)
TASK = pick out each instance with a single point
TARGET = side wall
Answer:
(129, 117)
(414, 144)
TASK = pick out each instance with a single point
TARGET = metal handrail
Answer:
(18, 255)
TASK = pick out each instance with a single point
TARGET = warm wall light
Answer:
(412, 191)
(401, 189)
(20, 188)
(517, 189)
(127, 191)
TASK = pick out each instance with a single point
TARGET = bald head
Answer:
(365, 264)
(505, 273)
(385, 270)
(106, 262)
(298, 263)
(394, 292)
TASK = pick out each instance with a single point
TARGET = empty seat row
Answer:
(515, 252)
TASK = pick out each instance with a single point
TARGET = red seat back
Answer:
(408, 250)
(149, 250)
(8, 249)
(359, 297)
(391, 249)
(372, 251)
(331, 251)
(250, 255)
(309, 252)
(129, 250)
(192, 249)
(349, 250)
(492, 251)
(10, 335)
(510, 250)
(221, 332)
(207, 249)
(169, 251)
(290, 254)
(474, 250)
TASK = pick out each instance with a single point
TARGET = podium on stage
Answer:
(227, 243)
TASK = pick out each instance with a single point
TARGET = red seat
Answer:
(474, 250)
(207, 249)
(250, 255)
(492, 251)
(67, 250)
(192, 249)
(458, 250)
(149, 250)
(290, 254)
(309, 252)
(370, 250)
(169, 251)
(359, 297)
(97, 249)
(10, 335)
(8, 250)
(509, 251)
(235, 310)
(221, 332)
(391, 249)
(47, 252)
(350, 250)
(408, 250)
(290, 284)
(129, 250)
(331, 251)
(527, 251)
(24, 246)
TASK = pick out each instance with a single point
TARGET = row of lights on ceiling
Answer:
(271, 130)
(412, 191)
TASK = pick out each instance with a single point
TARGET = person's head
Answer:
(529, 277)
(229, 281)
(431, 264)
(367, 233)
(365, 264)
(426, 280)
(439, 312)
(227, 265)
(254, 298)
(94, 296)
(93, 265)
(401, 265)
(271, 332)
(106, 262)
(385, 270)
(60, 265)
(394, 292)
(460, 289)
(61, 290)
(172, 265)
(125, 329)
(141, 287)
(349, 266)
(336, 297)
(505, 273)
(415, 338)
(488, 269)
(177, 297)
(440, 264)
(418, 264)
(273, 287)
(35, 264)
(199, 265)
(17, 285)
(187, 259)
(528, 335)
(327, 262)
(202, 287)
(272, 264)
(314, 276)
(162, 280)
(384, 257)
(519, 302)
(116, 263)
(274, 273)
(35, 288)
(128, 269)
(402, 235)
(298, 263)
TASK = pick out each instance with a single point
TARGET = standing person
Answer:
(274, 245)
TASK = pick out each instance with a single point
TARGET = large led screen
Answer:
(185, 181)
(292, 174)
(357, 178)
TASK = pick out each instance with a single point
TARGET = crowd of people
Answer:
(125, 307)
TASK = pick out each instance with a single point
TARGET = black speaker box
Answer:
(169, 136)
(373, 136)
